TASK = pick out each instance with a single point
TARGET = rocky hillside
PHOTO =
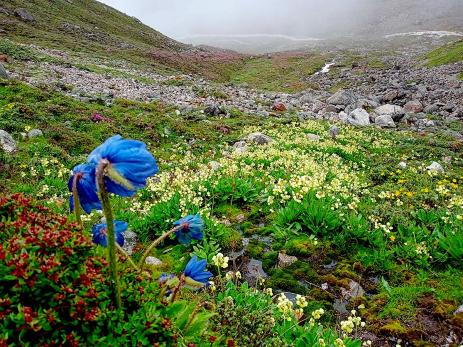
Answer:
(92, 29)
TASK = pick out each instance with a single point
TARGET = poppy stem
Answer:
(100, 174)
(75, 195)
(154, 244)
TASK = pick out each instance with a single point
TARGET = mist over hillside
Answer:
(261, 26)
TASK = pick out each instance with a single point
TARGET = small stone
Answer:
(313, 137)
(385, 121)
(130, 241)
(24, 15)
(7, 143)
(240, 218)
(334, 131)
(355, 290)
(153, 261)
(214, 165)
(459, 310)
(259, 138)
(396, 112)
(436, 167)
(240, 147)
(285, 260)
(413, 106)
(359, 117)
(214, 110)
(342, 97)
(35, 133)
(402, 165)
(279, 107)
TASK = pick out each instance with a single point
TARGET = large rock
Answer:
(259, 138)
(342, 97)
(7, 143)
(359, 117)
(385, 121)
(24, 15)
(3, 73)
(413, 106)
(396, 112)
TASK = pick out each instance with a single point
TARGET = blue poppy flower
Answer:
(130, 164)
(189, 227)
(100, 233)
(195, 272)
(86, 188)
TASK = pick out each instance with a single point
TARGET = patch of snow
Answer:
(426, 33)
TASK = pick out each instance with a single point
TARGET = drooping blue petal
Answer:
(86, 188)
(100, 233)
(189, 227)
(196, 270)
(130, 160)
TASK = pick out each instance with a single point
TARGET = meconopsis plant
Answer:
(122, 167)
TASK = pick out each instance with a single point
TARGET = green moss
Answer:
(269, 261)
(393, 328)
(255, 248)
(282, 280)
(300, 246)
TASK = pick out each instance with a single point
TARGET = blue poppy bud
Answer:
(189, 228)
(130, 165)
(86, 188)
(100, 233)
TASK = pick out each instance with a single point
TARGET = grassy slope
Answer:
(99, 31)
(279, 73)
(450, 53)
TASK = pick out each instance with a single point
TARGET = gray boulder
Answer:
(396, 112)
(385, 121)
(35, 133)
(7, 143)
(259, 138)
(359, 117)
(3, 73)
(342, 97)
(24, 15)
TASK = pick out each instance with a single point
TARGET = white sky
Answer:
(301, 18)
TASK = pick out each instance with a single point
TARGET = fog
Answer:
(203, 21)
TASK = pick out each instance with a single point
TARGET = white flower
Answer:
(220, 260)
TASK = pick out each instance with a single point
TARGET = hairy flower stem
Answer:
(75, 195)
(154, 244)
(100, 174)
(128, 257)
